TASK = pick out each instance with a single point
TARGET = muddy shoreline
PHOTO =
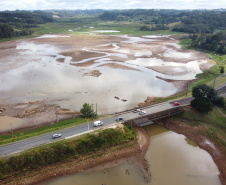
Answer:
(217, 152)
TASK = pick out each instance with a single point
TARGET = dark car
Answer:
(136, 110)
(120, 118)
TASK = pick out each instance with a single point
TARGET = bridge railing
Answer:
(152, 117)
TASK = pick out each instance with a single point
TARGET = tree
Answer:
(202, 105)
(204, 91)
(87, 110)
(219, 101)
(222, 70)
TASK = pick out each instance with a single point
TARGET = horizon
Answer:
(12, 5)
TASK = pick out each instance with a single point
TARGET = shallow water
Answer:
(120, 175)
(172, 161)
(34, 74)
(7, 122)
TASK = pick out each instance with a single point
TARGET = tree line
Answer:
(211, 42)
(189, 21)
(19, 23)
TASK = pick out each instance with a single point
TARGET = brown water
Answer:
(172, 162)
(5, 122)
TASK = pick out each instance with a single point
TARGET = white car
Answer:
(98, 123)
(56, 136)
(136, 110)
(142, 112)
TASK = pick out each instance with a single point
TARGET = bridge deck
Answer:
(149, 119)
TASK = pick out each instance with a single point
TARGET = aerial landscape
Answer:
(103, 93)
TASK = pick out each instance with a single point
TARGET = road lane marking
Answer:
(78, 134)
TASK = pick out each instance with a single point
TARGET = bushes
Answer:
(59, 152)
(105, 139)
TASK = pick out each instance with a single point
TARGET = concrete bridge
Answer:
(151, 118)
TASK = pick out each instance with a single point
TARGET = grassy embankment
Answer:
(64, 150)
(213, 124)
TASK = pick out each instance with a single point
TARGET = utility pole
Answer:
(12, 131)
(57, 120)
(96, 110)
(187, 90)
(214, 81)
(92, 111)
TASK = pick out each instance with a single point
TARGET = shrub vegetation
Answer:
(64, 150)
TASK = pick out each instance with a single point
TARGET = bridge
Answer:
(151, 118)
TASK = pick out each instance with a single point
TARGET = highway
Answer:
(22, 145)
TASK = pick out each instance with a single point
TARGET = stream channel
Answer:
(173, 160)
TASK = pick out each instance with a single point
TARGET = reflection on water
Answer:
(172, 161)
(192, 143)
(37, 75)
(41, 77)
(155, 130)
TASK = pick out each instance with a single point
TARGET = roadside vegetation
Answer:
(64, 150)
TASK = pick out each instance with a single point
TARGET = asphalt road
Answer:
(47, 138)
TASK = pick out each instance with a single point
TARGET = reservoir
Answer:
(173, 160)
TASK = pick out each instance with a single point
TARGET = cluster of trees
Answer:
(193, 28)
(205, 97)
(28, 17)
(196, 21)
(7, 31)
(200, 21)
(18, 23)
(154, 28)
(210, 42)
(147, 16)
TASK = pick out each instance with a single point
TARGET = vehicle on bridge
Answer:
(136, 110)
(142, 112)
(98, 123)
(120, 118)
(176, 103)
(56, 136)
